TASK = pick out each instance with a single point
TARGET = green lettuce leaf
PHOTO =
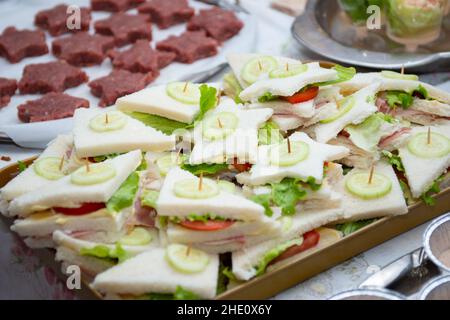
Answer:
(350, 227)
(396, 99)
(166, 126)
(179, 294)
(394, 160)
(205, 168)
(286, 194)
(367, 134)
(208, 101)
(311, 182)
(344, 74)
(229, 274)
(204, 217)
(103, 252)
(273, 254)
(265, 201)
(427, 196)
(149, 198)
(106, 157)
(269, 134)
(422, 92)
(124, 196)
(232, 87)
(406, 192)
(267, 97)
(22, 166)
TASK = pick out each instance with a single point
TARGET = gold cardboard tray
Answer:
(301, 267)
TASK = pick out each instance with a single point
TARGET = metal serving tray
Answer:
(325, 29)
(296, 269)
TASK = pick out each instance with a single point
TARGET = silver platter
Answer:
(325, 29)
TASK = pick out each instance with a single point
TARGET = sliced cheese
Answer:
(224, 204)
(150, 272)
(63, 193)
(134, 135)
(288, 86)
(422, 172)
(264, 171)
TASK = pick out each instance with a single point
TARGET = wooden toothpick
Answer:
(177, 160)
(429, 135)
(219, 123)
(200, 182)
(259, 65)
(88, 168)
(287, 66)
(372, 169)
(402, 70)
(106, 118)
(61, 164)
(188, 251)
(185, 86)
(289, 145)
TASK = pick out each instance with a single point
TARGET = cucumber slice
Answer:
(95, 174)
(288, 71)
(226, 186)
(254, 68)
(185, 259)
(169, 161)
(344, 106)
(220, 125)
(49, 168)
(137, 237)
(280, 155)
(358, 185)
(399, 76)
(109, 121)
(184, 92)
(439, 145)
(190, 188)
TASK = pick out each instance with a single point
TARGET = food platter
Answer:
(21, 14)
(324, 29)
(300, 267)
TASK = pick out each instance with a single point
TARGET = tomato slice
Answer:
(310, 240)
(85, 208)
(210, 225)
(303, 95)
(241, 167)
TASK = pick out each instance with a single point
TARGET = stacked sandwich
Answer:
(183, 190)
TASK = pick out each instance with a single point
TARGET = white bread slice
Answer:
(28, 180)
(362, 109)
(359, 81)
(431, 106)
(150, 272)
(224, 204)
(106, 227)
(237, 61)
(288, 86)
(391, 204)
(63, 193)
(280, 107)
(264, 172)
(246, 259)
(156, 101)
(422, 172)
(241, 144)
(240, 233)
(286, 123)
(134, 135)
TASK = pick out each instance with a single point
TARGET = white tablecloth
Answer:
(274, 38)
